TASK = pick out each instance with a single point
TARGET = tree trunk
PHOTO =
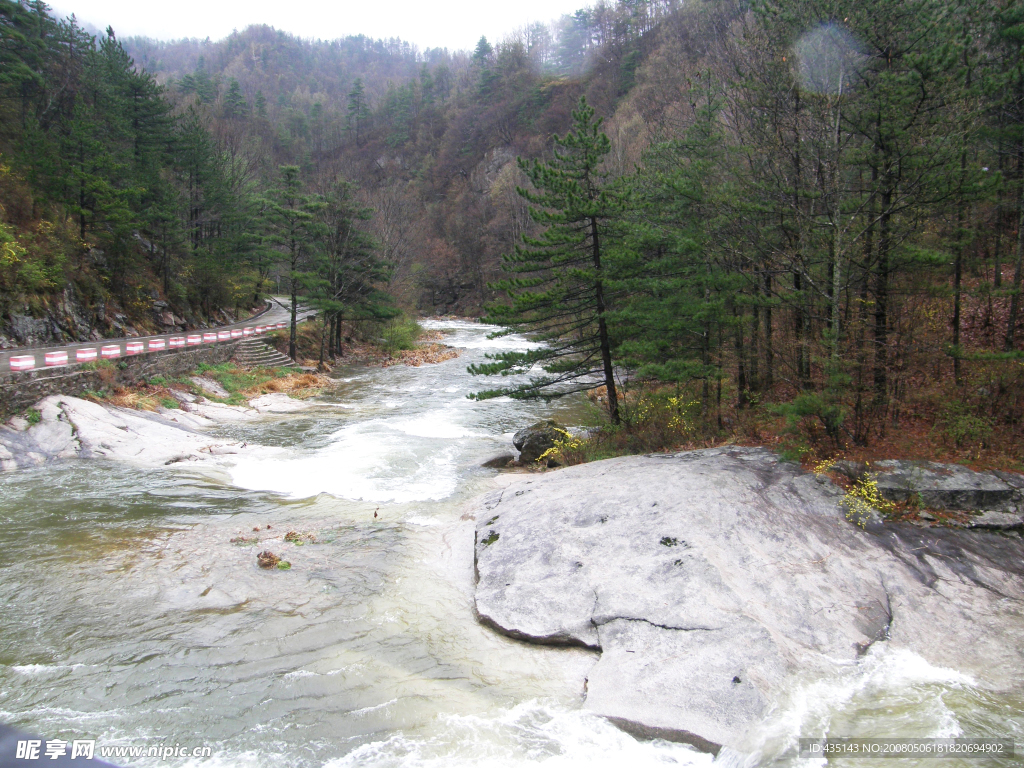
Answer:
(295, 303)
(741, 358)
(769, 351)
(602, 328)
(882, 299)
(1011, 322)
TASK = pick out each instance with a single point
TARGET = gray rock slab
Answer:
(278, 402)
(711, 580)
(943, 486)
(70, 427)
(210, 386)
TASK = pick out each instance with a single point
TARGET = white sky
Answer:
(427, 23)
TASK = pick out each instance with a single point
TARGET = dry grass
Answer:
(124, 397)
(299, 385)
(242, 384)
(422, 355)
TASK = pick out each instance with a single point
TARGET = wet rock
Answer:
(267, 559)
(297, 538)
(182, 397)
(714, 581)
(499, 462)
(533, 441)
(277, 402)
(210, 386)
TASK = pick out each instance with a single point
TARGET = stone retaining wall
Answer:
(19, 391)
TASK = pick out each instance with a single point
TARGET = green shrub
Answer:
(830, 412)
(32, 416)
(98, 365)
(400, 334)
(961, 425)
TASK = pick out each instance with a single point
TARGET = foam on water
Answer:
(830, 706)
(436, 424)
(466, 335)
(45, 669)
(368, 461)
(530, 734)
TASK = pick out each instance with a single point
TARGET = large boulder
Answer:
(713, 581)
(533, 441)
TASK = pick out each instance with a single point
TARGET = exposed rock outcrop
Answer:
(991, 499)
(533, 441)
(711, 579)
(69, 427)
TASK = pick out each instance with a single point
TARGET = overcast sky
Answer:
(428, 23)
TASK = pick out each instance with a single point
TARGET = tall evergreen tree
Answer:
(291, 221)
(358, 111)
(681, 282)
(558, 283)
(347, 273)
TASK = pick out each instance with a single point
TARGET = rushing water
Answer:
(130, 617)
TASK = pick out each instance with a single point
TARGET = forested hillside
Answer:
(805, 202)
(429, 137)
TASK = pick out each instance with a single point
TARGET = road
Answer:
(277, 315)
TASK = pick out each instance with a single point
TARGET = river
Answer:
(130, 617)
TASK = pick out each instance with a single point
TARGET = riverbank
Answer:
(61, 427)
(400, 342)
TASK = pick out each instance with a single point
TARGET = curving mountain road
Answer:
(276, 315)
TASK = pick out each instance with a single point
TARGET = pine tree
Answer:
(557, 287)
(483, 52)
(290, 216)
(358, 111)
(681, 282)
(347, 274)
(235, 104)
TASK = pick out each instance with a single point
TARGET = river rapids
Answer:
(129, 616)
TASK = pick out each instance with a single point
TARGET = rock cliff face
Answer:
(709, 579)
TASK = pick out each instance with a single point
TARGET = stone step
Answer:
(254, 353)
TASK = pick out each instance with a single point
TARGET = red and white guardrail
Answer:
(111, 351)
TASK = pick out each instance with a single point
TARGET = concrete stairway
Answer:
(255, 353)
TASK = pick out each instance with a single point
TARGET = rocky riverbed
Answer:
(711, 580)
